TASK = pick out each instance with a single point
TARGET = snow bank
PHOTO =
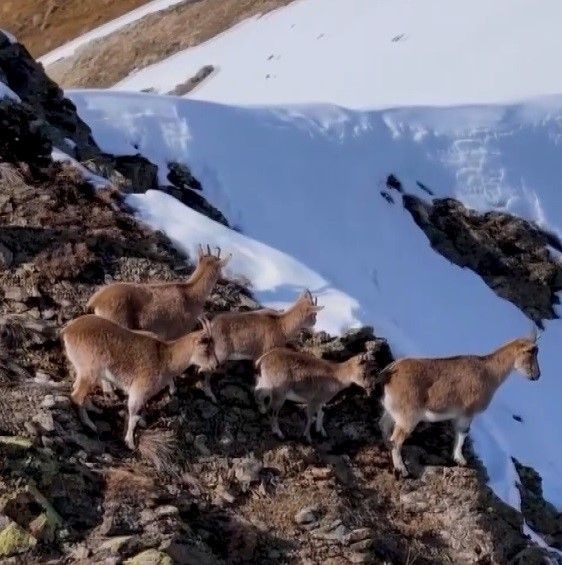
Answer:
(11, 38)
(376, 54)
(6, 92)
(71, 47)
(306, 181)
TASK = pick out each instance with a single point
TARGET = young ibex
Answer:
(301, 377)
(454, 388)
(102, 351)
(247, 335)
(169, 310)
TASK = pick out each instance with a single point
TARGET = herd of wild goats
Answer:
(140, 337)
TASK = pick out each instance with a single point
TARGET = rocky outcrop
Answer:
(511, 254)
(41, 96)
(44, 119)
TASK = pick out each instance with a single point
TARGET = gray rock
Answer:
(247, 469)
(307, 515)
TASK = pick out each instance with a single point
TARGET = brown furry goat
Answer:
(454, 388)
(167, 309)
(102, 351)
(247, 335)
(301, 377)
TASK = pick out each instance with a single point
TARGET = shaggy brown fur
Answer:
(167, 309)
(247, 335)
(302, 377)
(139, 364)
(455, 388)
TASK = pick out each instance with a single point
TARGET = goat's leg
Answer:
(79, 396)
(135, 403)
(320, 421)
(310, 411)
(172, 387)
(385, 424)
(462, 426)
(107, 389)
(276, 404)
(207, 389)
(397, 439)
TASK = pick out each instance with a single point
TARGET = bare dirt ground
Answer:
(152, 39)
(42, 25)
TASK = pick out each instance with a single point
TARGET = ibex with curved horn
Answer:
(168, 309)
(248, 335)
(454, 388)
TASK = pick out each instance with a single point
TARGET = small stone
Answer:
(14, 293)
(49, 401)
(358, 557)
(45, 421)
(18, 442)
(166, 511)
(360, 534)
(150, 557)
(115, 544)
(48, 314)
(200, 445)
(307, 515)
(247, 469)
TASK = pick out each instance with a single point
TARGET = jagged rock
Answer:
(6, 257)
(187, 86)
(180, 176)
(142, 175)
(509, 253)
(197, 202)
(44, 102)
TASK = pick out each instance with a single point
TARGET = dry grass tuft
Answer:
(159, 448)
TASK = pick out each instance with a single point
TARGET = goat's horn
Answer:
(316, 301)
(208, 249)
(308, 293)
(218, 252)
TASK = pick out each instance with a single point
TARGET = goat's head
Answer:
(308, 305)
(526, 356)
(210, 261)
(204, 355)
(360, 371)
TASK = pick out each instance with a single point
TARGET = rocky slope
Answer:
(209, 482)
(153, 38)
(510, 254)
(42, 26)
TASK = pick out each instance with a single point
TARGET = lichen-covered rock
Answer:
(14, 539)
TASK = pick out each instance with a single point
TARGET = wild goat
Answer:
(169, 310)
(102, 351)
(301, 377)
(454, 388)
(247, 335)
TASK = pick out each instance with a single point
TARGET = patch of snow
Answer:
(95, 180)
(343, 52)
(11, 38)
(275, 277)
(7, 92)
(305, 180)
(68, 49)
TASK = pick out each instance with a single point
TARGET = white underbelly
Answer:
(429, 416)
(293, 397)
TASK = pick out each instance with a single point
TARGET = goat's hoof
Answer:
(323, 434)
(461, 461)
(91, 426)
(307, 439)
(279, 435)
(401, 473)
(130, 444)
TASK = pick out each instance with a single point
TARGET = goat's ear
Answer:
(317, 308)
(225, 260)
